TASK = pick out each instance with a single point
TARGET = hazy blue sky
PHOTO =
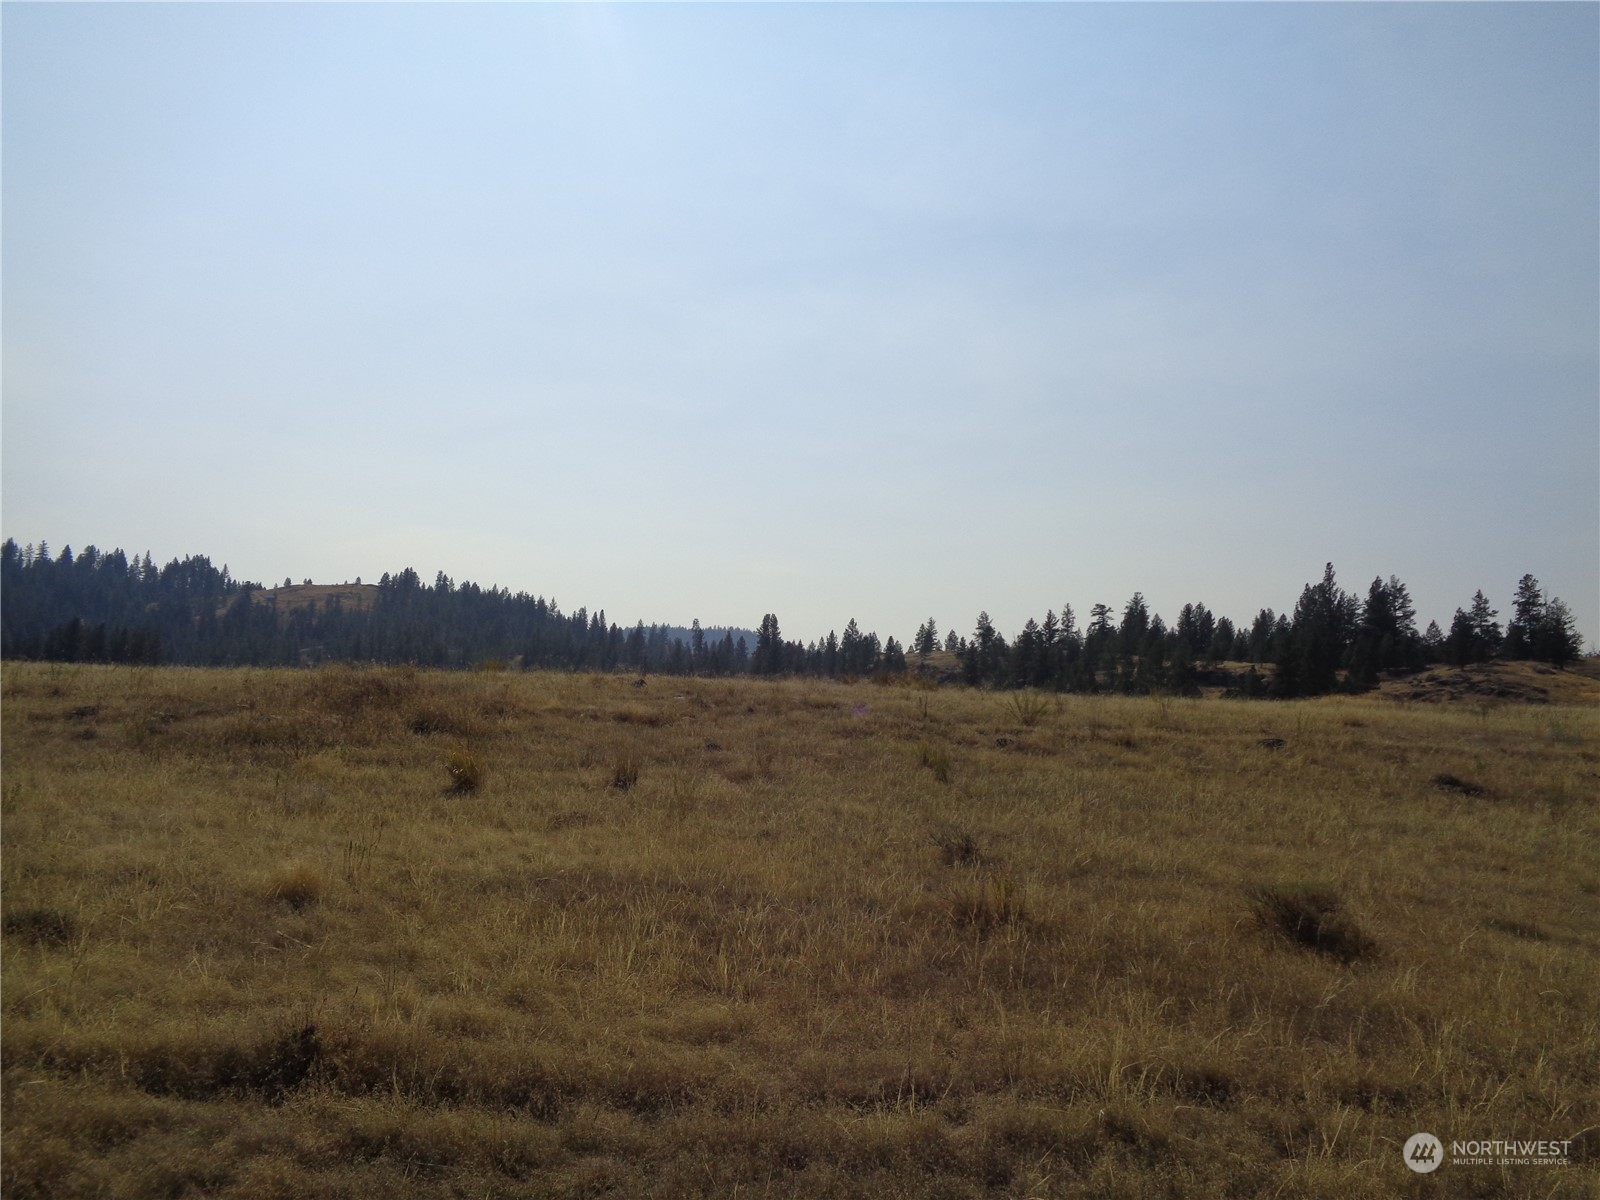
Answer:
(883, 311)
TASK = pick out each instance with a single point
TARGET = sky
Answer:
(883, 311)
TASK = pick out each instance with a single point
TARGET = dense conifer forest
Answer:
(96, 606)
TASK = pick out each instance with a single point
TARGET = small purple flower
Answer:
(859, 710)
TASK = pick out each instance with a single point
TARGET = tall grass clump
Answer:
(987, 903)
(465, 771)
(936, 759)
(1312, 915)
(625, 773)
(41, 926)
(299, 885)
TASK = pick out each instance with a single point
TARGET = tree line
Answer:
(1333, 640)
(107, 607)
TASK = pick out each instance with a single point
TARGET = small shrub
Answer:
(936, 759)
(466, 772)
(636, 714)
(1460, 787)
(41, 926)
(434, 718)
(1027, 707)
(283, 1062)
(349, 690)
(625, 773)
(267, 1070)
(297, 885)
(958, 848)
(1313, 916)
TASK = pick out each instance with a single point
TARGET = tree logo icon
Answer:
(1423, 1153)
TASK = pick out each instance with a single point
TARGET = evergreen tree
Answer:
(1539, 629)
(1555, 639)
(1261, 630)
(981, 662)
(1474, 634)
(852, 659)
(1324, 621)
(1027, 654)
(1432, 643)
(870, 653)
(1222, 641)
(768, 657)
(1051, 652)
(1528, 609)
(1100, 641)
(1135, 625)
(894, 658)
(1386, 636)
(1196, 629)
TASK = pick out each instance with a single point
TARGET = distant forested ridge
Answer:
(107, 607)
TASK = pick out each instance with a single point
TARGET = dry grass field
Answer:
(376, 933)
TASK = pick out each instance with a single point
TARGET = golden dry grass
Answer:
(256, 945)
(354, 597)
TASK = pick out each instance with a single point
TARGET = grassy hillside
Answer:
(382, 933)
(356, 597)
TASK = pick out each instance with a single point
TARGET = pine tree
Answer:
(1051, 648)
(1556, 639)
(1135, 625)
(768, 657)
(1099, 643)
(980, 655)
(1324, 621)
(1261, 630)
(894, 658)
(1386, 636)
(1432, 643)
(1485, 629)
(1026, 654)
(850, 650)
(1222, 641)
(1474, 634)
